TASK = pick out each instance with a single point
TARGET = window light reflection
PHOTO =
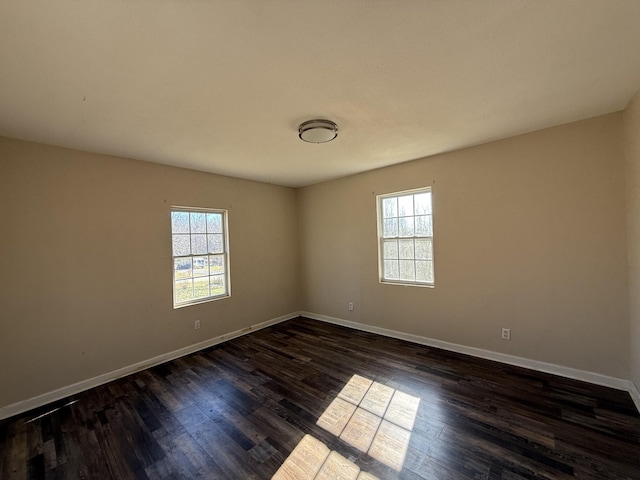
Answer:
(374, 418)
(312, 460)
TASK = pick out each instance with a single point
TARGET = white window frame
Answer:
(225, 255)
(382, 275)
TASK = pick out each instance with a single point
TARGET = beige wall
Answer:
(86, 263)
(631, 119)
(529, 234)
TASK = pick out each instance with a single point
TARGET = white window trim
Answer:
(227, 256)
(379, 199)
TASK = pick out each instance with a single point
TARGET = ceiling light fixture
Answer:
(317, 131)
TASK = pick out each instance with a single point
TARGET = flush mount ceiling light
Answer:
(318, 131)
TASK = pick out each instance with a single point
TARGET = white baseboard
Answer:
(60, 393)
(568, 372)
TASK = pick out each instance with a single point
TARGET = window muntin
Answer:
(405, 233)
(200, 255)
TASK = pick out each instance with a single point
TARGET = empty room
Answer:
(320, 240)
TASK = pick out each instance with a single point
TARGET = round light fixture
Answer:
(317, 131)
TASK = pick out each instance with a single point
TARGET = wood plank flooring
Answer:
(237, 410)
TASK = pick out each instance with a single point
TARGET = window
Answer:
(405, 233)
(200, 255)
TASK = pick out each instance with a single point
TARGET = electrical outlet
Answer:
(351, 306)
(196, 324)
(506, 334)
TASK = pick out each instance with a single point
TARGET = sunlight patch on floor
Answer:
(374, 418)
(312, 460)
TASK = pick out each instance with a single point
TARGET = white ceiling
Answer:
(222, 85)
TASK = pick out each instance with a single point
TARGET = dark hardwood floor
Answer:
(237, 410)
